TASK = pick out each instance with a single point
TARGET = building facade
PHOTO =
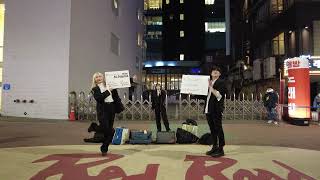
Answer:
(192, 35)
(273, 31)
(49, 54)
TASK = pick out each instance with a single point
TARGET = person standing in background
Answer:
(270, 101)
(158, 99)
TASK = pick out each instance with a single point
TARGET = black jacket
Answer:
(99, 97)
(158, 101)
(214, 105)
(270, 99)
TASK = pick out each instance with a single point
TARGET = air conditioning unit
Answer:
(269, 66)
(256, 69)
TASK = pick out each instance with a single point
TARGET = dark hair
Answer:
(215, 68)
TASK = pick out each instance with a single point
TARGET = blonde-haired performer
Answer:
(107, 99)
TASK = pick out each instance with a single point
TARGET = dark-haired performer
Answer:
(214, 109)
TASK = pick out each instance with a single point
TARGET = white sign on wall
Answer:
(194, 84)
(118, 79)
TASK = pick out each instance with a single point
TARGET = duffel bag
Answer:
(165, 137)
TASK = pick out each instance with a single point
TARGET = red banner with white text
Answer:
(298, 88)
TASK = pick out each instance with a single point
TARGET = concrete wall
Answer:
(36, 58)
(53, 47)
(92, 22)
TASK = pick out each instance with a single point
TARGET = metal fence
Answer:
(240, 108)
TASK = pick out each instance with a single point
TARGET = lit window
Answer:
(181, 33)
(115, 44)
(154, 34)
(171, 17)
(215, 27)
(278, 45)
(181, 17)
(276, 6)
(209, 2)
(181, 1)
(167, 1)
(154, 20)
(152, 4)
(181, 57)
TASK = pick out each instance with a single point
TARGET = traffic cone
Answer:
(72, 116)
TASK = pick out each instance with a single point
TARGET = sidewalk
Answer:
(37, 132)
(42, 148)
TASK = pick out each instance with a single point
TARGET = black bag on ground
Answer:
(206, 139)
(185, 137)
(165, 137)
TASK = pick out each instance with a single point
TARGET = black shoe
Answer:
(104, 149)
(92, 127)
(214, 149)
(168, 130)
(218, 153)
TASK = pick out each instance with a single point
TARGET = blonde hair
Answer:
(94, 84)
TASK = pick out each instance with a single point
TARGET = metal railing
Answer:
(234, 108)
(246, 108)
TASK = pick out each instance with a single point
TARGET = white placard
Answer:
(118, 79)
(194, 84)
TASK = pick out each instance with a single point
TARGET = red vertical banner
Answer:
(298, 88)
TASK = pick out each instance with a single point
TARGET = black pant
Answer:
(215, 124)
(161, 111)
(106, 122)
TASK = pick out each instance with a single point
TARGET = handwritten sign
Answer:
(194, 84)
(118, 79)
